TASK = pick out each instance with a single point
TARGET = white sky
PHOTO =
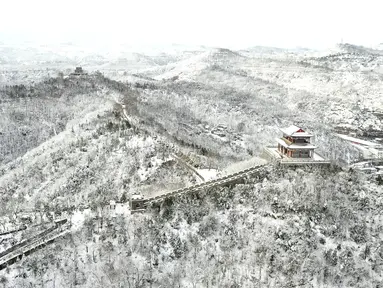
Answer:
(239, 23)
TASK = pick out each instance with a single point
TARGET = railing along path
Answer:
(29, 245)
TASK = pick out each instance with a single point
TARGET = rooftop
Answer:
(295, 131)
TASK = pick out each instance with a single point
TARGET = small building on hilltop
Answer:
(78, 72)
(296, 143)
(294, 147)
(137, 203)
(112, 205)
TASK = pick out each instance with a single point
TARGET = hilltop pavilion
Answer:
(296, 143)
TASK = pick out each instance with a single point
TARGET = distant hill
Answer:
(193, 64)
(350, 48)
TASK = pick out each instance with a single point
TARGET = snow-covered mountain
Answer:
(341, 76)
(70, 145)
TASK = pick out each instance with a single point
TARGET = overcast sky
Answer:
(232, 24)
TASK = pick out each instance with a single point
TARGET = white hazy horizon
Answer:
(232, 24)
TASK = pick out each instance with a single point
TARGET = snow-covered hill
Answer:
(185, 69)
(51, 143)
(340, 84)
(67, 144)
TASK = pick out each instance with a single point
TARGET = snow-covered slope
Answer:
(184, 69)
(92, 156)
(344, 88)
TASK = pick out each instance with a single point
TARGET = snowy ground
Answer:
(236, 167)
(120, 209)
(317, 157)
(78, 218)
(208, 174)
(112, 210)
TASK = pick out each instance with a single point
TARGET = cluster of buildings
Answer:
(370, 155)
(368, 149)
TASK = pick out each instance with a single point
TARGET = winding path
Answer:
(222, 181)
